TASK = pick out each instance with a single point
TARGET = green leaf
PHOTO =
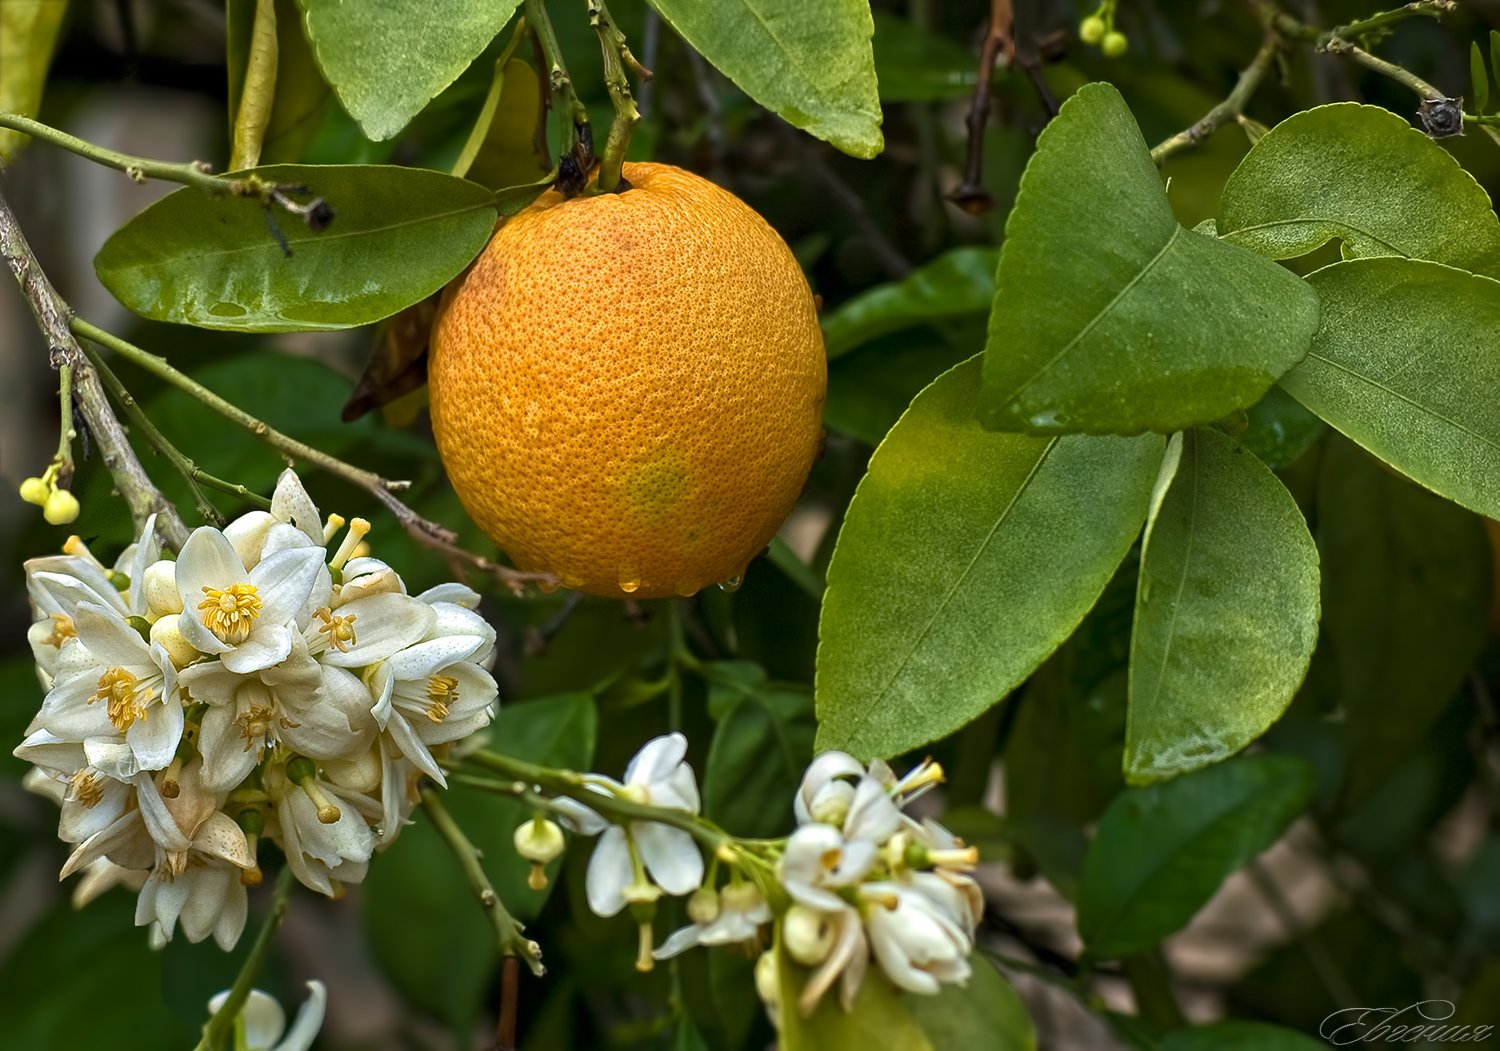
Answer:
(1226, 610)
(501, 149)
(957, 283)
(28, 33)
(810, 63)
(1365, 176)
(927, 622)
(914, 64)
(1161, 851)
(870, 389)
(1406, 365)
(1238, 1036)
(985, 1013)
(1280, 429)
(1479, 77)
(1405, 590)
(418, 908)
(302, 95)
(398, 235)
(387, 59)
(1109, 316)
(759, 751)
(1495, 53)
(879, 1017)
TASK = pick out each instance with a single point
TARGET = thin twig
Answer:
(577, 155)
(617, 57)
(66, 432)
(424, 531)
(1229, 110)
(970, 195)
(510, 982)
(1336, 42)
(891, 260)
(222, 1023)
(52, 317)
(507, 930)
(1381, 19)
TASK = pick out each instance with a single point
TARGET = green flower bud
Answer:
(35, 491)
(60, 508)
(1091, 30)
(1114, 44)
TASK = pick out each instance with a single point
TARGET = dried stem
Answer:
(1231, 109)
(52, 317)
(970, 195)
(508, 931)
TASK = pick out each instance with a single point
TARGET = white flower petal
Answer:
(283, 581)
(247, 535)
(290, 503)
(154, 739)
(414, 749)
(678, 941)
(113, 642)
(657, 759)
(265, 647)
(383, 625)
(425, 658)
(308, 1021)
(609, 873)
(454, 592)
(670, 856)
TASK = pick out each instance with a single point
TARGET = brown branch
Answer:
(52, 318)
(970, 195)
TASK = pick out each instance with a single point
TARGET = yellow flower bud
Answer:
(61, 507)
(539, 841)
(160, 586)
(807, 935)
(166, 632)
(35, 491)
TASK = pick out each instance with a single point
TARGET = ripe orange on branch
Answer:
(627, 389)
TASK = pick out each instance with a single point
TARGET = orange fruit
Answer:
(627, 389)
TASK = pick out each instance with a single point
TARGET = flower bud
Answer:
(35, 491)
(1114, 44)
(768, 980)
(539, 840)
(703, 906)
(741, 897)
(160, 586)
(165, 632)
(831, 804)
(61, 507)
(1091, 30)
(807, 935)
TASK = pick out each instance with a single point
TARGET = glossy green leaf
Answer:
(1226, 610)
(984, 1013)
(879, 1017)
(28, 33)
(1365, 176)
(1405, 590)
(398, 235)
(1479, 78)
(1280, 429)
(957, 283)
(1109, 316)
(1238, 1036)
(870, 389)
(302, 95)
(1401, 364)
(418, 907)
(759, 751)
(926, 622)
(915, 64)
(1161, 851)
(501, 150)
(387, 59)
(810, 63)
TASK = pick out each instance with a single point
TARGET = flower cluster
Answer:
(859, 878)
(265, 685)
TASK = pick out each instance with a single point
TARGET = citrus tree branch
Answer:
(1337, 41)
(426, 532)
(508, 931)
(578, 147)
(616, 57)
(53, 318)
(1382, 19)
(1231, 109)
(222, 1023)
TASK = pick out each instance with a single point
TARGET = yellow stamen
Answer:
(125, 702)
(966, 858)
(328, 813)
(228, 612)
(340, 630)
(255, 724)
(644, 961)
(442, 691)
(62, 630)
(332, 526)
(74, 545)
(357, 530)
(170, 787)
(86, 787)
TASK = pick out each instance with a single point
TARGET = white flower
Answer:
(658, 777)
(826, 791)
(241, 615)
(262, 1022)
(432, 693)
(91, 800)
(846, 960)
(741, 911)
(205, 894)
(322, 834)
(921, 932)
(818, 860)
(121, 689)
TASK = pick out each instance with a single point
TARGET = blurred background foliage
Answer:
(1390, 892)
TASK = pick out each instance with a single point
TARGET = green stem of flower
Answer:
(616, 57)
(222, 1023)
(190, 472)
(1155, 1002)
(66, 432)
(1381, 19)
(259, 90)
(578, 144)
(1229, 110)
(508, 932)
(1336, 42)
(619, 811)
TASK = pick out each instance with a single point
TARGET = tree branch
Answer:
(1232, 108)
(52, 318)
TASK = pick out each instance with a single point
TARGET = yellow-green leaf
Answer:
(28, 33)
